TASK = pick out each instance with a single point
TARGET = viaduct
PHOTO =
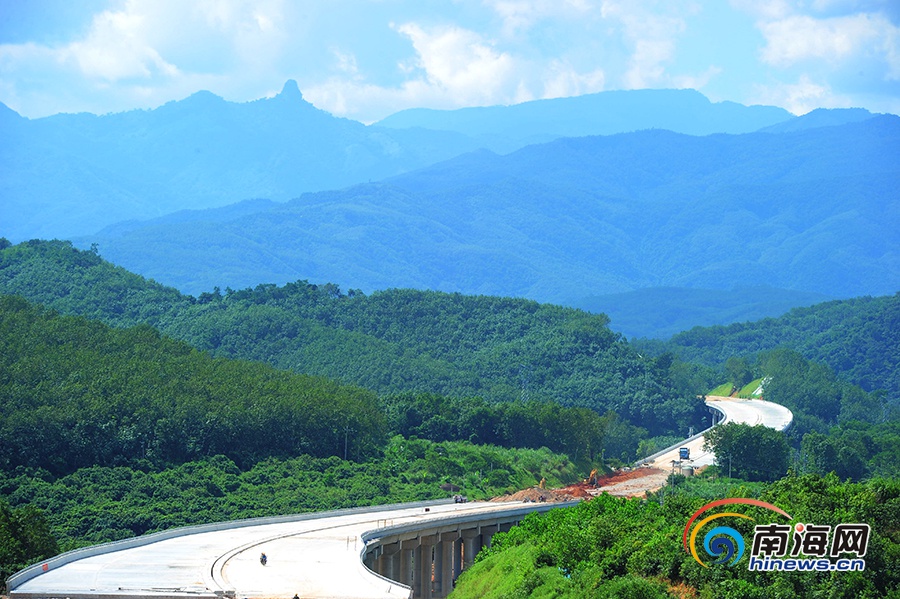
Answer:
(408, 550)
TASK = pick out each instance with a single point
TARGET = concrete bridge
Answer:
(408, 550)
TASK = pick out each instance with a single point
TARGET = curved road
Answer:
(743, 411)
(311, 555)
(318, 557)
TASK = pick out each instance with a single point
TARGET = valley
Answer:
(284, 312)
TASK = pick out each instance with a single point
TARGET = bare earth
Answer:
(632, 483)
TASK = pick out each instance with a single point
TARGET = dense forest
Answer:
(612, 547)
(127, 407)
(858, 338)
(107, 433)
(394, 341)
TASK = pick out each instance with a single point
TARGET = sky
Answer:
(366, 59)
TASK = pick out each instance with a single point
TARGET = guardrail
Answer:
(653, 456)
(39, 568)
(373, 538)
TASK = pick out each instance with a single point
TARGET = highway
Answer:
(742, 411)
(316, 555)
(320, 557)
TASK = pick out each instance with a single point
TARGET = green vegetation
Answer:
(723, 390)
(77, 393)
(179, 410)
(754, 453)
(749, 390)
(611, 547)
(25, 538)
(859, 339)
(109, 433)
(103, 503)
(392, 342)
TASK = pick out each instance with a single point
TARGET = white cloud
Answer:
(350, 60)
(562, 80)
(460, 62)
(652, 37)
(115, 48)
(766, 10)
(800, 37)
(452, 68)
(143, 53)
(696, 81)
(518, 15)
(800, 97)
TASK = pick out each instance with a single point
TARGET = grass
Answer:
(749, 391)
(723, 390)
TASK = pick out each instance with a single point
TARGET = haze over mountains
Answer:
(813, 210)
(506, 128)
(668, 191)
(72, 174)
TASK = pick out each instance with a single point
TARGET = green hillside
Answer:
(564, 220)
(858, 338)
(111, 431)
(393, 341)
(628, 548)
(77, 393)
(107, 433)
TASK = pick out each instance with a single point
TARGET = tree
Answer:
(824, 454)
(755, 453)
(738, 371)
(24, 538)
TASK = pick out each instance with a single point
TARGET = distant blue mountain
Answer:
(72, 174)
(821, 117)
(812, 210)
(661, 312)
(506, 128)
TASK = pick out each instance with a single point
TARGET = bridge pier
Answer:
(429, 559)
(444, 576)
(430, 563)
(406, 561)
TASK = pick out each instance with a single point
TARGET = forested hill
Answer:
(811, 210)
(77, 393)
(859, 338)
(70, 174)
(392, 341)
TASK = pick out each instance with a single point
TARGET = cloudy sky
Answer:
(365, 59)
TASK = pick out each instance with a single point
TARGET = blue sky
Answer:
(365, 59)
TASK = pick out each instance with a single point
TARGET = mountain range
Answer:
(73, 174)
(810, 210)
(508, 128)
(646, 189)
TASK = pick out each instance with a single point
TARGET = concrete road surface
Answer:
(743, 411)
(313, 558)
